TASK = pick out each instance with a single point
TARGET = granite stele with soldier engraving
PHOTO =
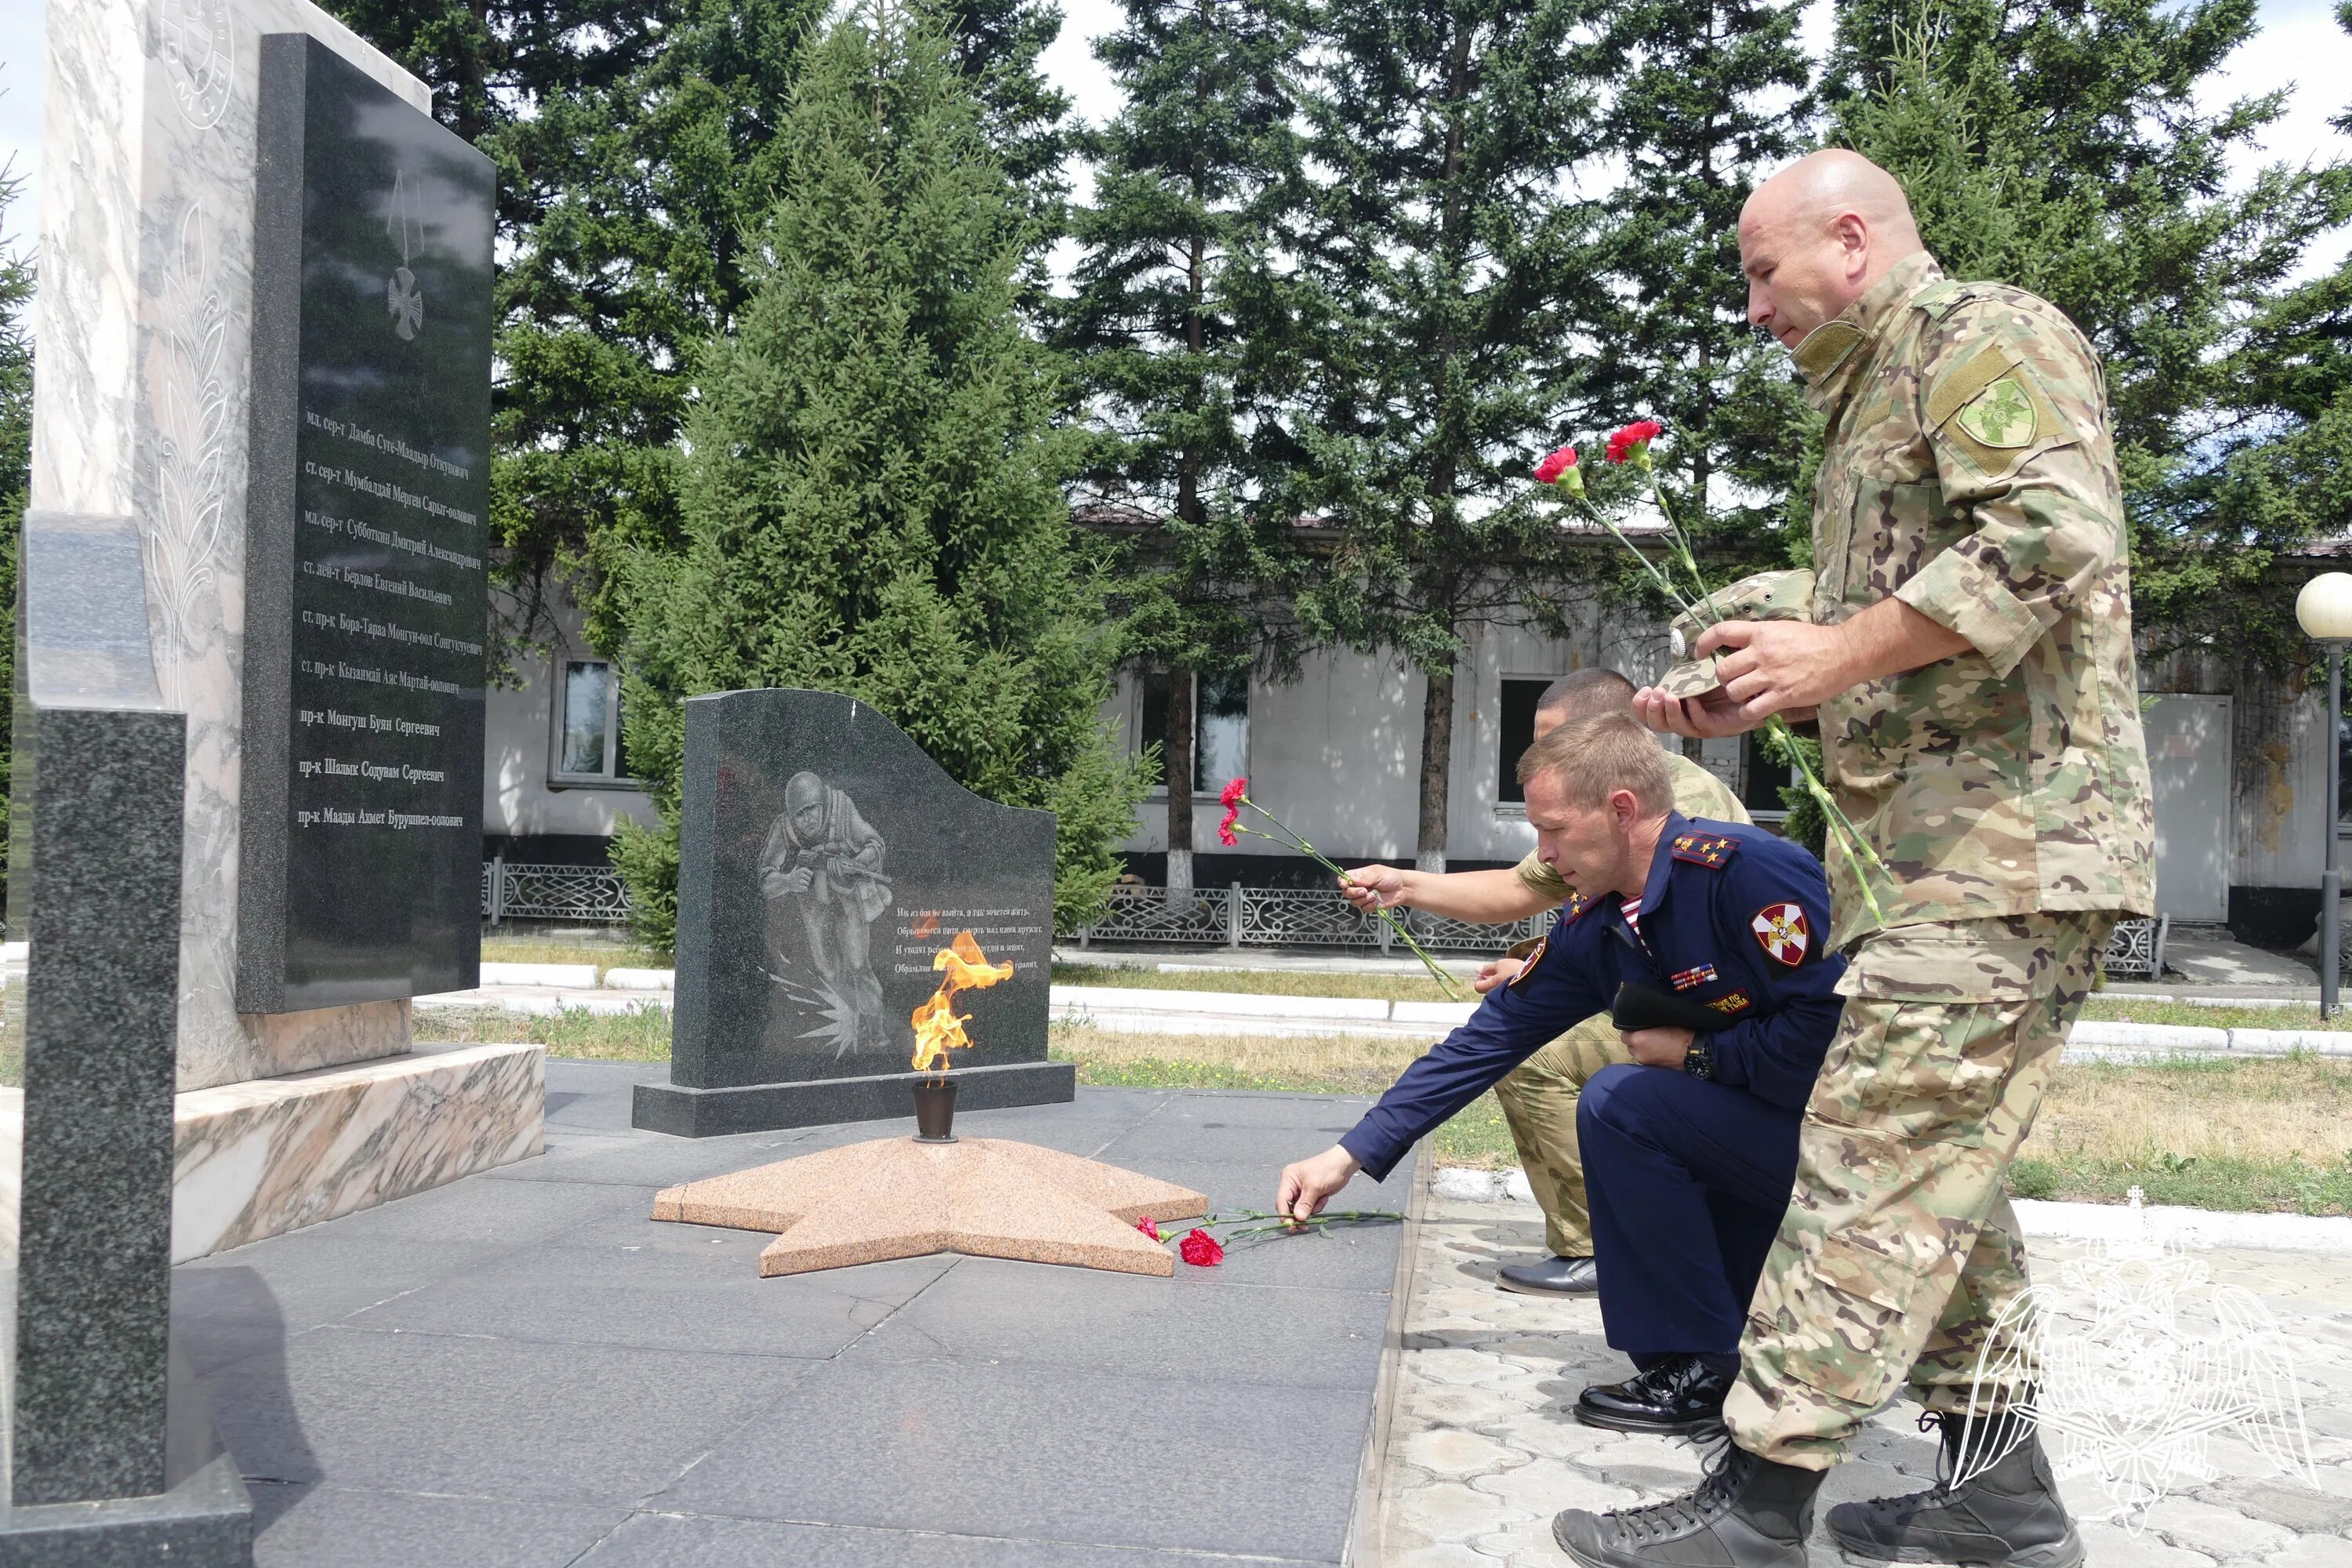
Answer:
(824, 861)
(360, 869)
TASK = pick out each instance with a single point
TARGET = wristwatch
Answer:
(1698, 1061)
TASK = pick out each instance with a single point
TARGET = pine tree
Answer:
(2283, 474)
(1706, 98)
(1175, 319)
(2058, 145)
(551, 90)
(636, 143)
(872, 500)
(1438, 261)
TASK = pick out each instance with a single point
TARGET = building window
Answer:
(1520, 699)
(1762, 778)
(1220, 727)
(587, 748)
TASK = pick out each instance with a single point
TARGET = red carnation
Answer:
(1231, 795)
(1149, 1229)
(1201, 1250)
(1225, 832)
(1550, 470)
(1634, 440)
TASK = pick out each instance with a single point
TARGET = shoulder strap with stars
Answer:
(1709, 849)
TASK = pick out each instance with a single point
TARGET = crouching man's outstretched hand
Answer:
(1308, 1185)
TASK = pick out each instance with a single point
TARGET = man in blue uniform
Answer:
(1690, 1149)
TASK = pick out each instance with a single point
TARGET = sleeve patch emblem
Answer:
(2001, 416)
(1704, 848)
(1780, 930)
(1533, 959)
(1700, 975)
(1734, 1002)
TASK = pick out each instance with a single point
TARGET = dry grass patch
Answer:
(1354, 1063)
(2260, 1136)
(2263, 1111)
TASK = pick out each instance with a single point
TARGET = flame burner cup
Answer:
(935, 1111)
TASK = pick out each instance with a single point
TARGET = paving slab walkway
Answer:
(522, 1368)
(1481, 1451)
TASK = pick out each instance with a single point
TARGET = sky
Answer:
(2300, 46)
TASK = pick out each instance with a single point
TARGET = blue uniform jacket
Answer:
(1732, 917)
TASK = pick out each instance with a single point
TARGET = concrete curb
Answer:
(2054, 1221)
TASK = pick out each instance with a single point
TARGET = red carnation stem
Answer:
(1290, 839)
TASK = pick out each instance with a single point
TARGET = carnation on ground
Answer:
(1201, 1250)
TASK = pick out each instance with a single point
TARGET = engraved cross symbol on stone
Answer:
(404, 297)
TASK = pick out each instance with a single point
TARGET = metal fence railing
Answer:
(513, 891)
(1237, 917)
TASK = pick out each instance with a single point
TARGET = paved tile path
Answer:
(1481, 1451)
(522, 1370)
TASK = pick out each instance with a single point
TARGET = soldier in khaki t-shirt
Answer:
(1538, 1097)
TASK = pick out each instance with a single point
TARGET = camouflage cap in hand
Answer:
(1764, 596)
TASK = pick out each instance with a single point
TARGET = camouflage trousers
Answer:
(1899, 1249)
(1539, 1100)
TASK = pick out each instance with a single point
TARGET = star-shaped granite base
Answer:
(894, 1197)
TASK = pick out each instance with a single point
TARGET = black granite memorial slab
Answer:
(109, 1455)
(359, 859)
(823, 861)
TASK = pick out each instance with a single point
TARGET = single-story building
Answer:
(1335, 753)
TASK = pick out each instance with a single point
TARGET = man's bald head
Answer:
(1816, 235)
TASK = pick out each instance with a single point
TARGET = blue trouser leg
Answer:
(1687, 1181)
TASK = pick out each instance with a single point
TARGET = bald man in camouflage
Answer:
(1968, 652)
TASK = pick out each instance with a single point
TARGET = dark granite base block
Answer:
(205, 1522)
(764, 1107)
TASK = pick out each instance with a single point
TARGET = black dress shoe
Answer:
(1552, 1276)
(1679, 1397)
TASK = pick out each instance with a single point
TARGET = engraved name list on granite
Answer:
(369, 495)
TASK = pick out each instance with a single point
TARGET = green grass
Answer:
(634, 1036)
(1258, 981)
(2230, 1186)
(605, 953)
(2125, 1009)
(1419, 988)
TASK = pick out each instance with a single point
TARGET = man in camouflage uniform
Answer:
(1539, 1096)
(1970, 655)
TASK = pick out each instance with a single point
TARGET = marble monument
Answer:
(246, 211)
